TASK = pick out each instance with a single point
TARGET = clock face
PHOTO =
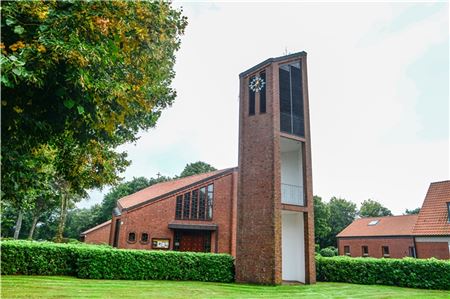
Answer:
(257, 84)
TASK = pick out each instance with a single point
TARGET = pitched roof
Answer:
(166, 188)
(433, 216)
(386, 226)
(96, 227)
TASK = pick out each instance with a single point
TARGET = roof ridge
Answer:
(440, 182)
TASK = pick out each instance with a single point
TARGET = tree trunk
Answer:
(62, 218)
(33, 227)
(18, 225)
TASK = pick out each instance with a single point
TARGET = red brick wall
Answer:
(438, 250)
(398, 247)
(98, 236)
(155, 217)
(258, 251)
(259, 222)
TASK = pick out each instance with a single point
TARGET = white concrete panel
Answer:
(292, 176)
(293, 246)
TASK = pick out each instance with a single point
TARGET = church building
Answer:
(260, 212)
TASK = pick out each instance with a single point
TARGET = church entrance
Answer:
(192, 240)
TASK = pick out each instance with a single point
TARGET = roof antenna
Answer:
(285, 51)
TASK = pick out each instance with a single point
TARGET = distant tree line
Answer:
(81, 219)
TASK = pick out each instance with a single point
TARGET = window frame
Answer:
(128, 237)
(347, 253)
(388, 254)
(363, 254)
(141, 239)
(448, 211)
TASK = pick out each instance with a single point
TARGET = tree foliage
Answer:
(343, 212)
(196, 168)
(78, 79)
(372, 208)
(322, 227)
(412, 212)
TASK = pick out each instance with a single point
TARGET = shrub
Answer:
(407, 272)
(91, 261)
(38, 258)
(102, 263)
(329, 251)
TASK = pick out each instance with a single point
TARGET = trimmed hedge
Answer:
(38, 258)
(100, 262)
(406, 272)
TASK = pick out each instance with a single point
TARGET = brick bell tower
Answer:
(275, 231)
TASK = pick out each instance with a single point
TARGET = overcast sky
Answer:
(378, 90)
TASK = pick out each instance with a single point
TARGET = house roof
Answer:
(386, 226)
(165, 189)
(96, 227)
(433, 216)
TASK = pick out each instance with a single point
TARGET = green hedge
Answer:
(407, 272)
(38, 258)
(97, 262)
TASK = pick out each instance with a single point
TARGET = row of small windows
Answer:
(132, 237)
(262, 95)
(195, 205)
(384, 251)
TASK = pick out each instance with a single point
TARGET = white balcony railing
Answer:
(292, 194)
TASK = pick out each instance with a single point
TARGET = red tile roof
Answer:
(97, 227)
(387, 226)
(164, 188)
(433, 216)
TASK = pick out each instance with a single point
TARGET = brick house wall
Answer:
(153, 218)
(99, 235)
(430, 247)
(398, 246)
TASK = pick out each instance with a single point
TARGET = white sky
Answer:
(378, 88)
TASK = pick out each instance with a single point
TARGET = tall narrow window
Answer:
(291, 99)
(201, 204)
(385, 251)
(179, 207)
(209, 209)
(262, 94)
(187, 204)
(194, 205)
(251, 100)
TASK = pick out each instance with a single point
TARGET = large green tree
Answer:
(342, 213)
(81, 77)
(196, 168)
(322, 227)
(372, 208)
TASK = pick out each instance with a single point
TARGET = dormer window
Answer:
(448, 211)
(373, 222)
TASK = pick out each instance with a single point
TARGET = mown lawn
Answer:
(70, 287)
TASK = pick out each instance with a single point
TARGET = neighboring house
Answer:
(423, 236)
(264, 215)
(389, 236)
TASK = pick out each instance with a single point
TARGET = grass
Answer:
(70, 287)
